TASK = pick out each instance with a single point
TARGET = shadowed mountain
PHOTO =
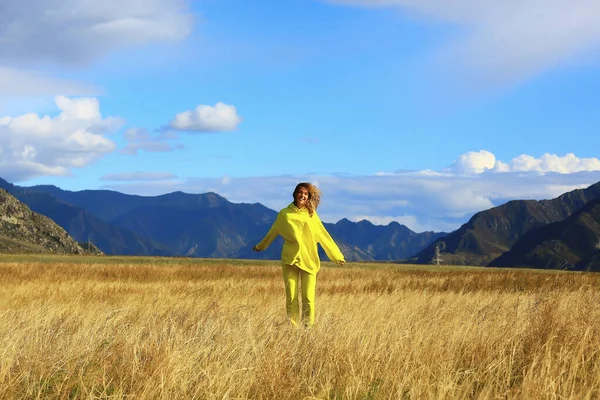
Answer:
(25, 231)
(206, 230)
(573, 243)
(490, 233)
(110, 206)
(376, 242)
(85, 227)
(200, 225)
(361, 241)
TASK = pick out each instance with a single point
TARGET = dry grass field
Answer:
(143, 328)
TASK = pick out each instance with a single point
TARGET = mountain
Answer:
(25, 231)
(203, 225)
(199, 225)
(375, 242)
(85, 227)
(573, 243)
(362, 241)
(208, 225)
(203, 230)
(110, 205)
(490, 233)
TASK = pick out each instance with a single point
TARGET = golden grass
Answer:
(143, 328)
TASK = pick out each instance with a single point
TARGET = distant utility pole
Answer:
(437, 258)
(566, 265)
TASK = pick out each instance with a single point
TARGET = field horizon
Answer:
(156, 328)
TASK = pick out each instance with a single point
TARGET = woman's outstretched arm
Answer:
(270, 236)
(324, 238)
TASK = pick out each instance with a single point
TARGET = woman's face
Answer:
(301, 197)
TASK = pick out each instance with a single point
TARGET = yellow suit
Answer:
(301, 233)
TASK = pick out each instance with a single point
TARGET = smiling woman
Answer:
(301, 229)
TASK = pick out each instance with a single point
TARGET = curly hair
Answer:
(314, 196)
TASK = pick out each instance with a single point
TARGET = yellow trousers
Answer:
(292, 276)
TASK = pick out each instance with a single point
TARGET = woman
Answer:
(301, 229)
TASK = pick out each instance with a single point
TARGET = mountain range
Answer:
(559, 233)
(490, 234)
(198, 225)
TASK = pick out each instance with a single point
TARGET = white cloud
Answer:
(203, 118)
(36, 32)
(429, 203)
(473, 162)
(140, 139)
(18, 82)
(421, 201)
(151, 147)
(510, 40)
(553, 163)
(34, 146)
(40, 33)
(139, 176)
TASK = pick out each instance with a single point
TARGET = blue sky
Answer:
(421, 112)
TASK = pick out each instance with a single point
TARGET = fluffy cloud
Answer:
(421, 200)
(66, 32)
(203, 118)
(478, 162)
(510, 39)
(39, 33)
(33, 146)
(140, 139)
(553, 163)
(474, 162)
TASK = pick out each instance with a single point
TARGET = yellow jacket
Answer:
(301, 233)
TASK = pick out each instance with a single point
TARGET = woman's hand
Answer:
(254, 248)
(341, 263)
